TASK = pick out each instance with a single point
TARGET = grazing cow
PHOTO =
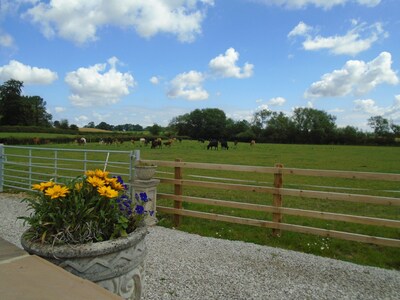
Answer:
(156, 144)
(180, 140)
(213, 144)
(236, 142)
(142, 141)
(252, 143)
(224, 145)
(81, 141)
(168, 143)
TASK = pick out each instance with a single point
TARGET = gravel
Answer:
(188, 266)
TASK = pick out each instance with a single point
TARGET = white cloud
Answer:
(259, 100)
(188, 86)
(79, 21)
(225, 65)
(324, 4)
(81, 120)
(6, 40)
(59, 109)
(94, 86)
(356, 40)
(300, 29)
(369, 107)
(26, 74)
(357, 77)
(154, 80)
(263, 106)
(277, 101)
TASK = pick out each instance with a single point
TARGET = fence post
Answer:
(178, 192)
(1, 167)
(277, 199)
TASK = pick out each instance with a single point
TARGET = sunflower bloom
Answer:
(99, 173)
(57, 191)
(90, 173)
(42, 186)
(107, 191)
(95, 181)
(113, 182)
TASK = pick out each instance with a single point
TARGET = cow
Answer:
(236, 142)
(81, 141)
(156, 144)
(224, 145)
(252, 143)
(168, 143)
(212, 144)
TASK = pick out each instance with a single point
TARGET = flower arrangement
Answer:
(89, 208)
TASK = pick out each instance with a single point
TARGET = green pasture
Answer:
(326, 157)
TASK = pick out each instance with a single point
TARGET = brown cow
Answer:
(252, 143)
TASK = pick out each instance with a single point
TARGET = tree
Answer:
(280, 128)
(105, 126)
(201, 123)
(34, 111)
(90, 125)
(155, 129)
(380, 125)
(11, 110)
(313, 126)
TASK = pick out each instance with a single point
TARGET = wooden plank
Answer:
(289, 227)
(289, 192)
(178, 192)
(286, 171)
(287, 211)
(341, 196)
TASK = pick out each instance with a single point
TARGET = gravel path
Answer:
(188, 266)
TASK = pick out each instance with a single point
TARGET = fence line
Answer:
(278, 192)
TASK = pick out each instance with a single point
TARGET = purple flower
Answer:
(139, 209)
(143, 197)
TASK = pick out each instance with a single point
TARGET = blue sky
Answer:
(147, 61)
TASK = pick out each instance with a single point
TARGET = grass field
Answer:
(350, 158)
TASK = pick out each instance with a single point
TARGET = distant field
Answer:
(33, 135)
(90, 130)
(330, 157)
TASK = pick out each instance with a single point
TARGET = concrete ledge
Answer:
(24, 276)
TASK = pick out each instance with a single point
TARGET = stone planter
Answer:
(145, 172)
(117, 265)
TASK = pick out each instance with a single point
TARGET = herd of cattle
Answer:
(213, 144)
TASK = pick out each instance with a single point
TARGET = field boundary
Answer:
(278, 192)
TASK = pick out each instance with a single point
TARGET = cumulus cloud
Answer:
(368, 106)
(95, 85)
(79, 21)
(154, 80)
(359, 38)
(26, 74)
(224, 65)
(277, 101)
(188, 86)
(324, 4)
(357, 77)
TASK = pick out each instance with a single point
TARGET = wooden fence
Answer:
(278, 193)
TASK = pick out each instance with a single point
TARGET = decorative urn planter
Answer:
(117, 265)
(145, 172)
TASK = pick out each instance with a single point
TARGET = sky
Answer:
(148, 61)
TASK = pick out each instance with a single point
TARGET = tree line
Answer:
(305, 125)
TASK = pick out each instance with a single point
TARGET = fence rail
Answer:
(278, 194)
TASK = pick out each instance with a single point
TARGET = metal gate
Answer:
(20, 167)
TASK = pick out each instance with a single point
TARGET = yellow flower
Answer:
(113, 182)
(57, 191)
(107, 191)
(90, 173)
(42, 186)
(95, 181)
(99, 173)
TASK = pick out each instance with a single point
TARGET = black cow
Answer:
(213, 144)
(224, 145)
(156, 144)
